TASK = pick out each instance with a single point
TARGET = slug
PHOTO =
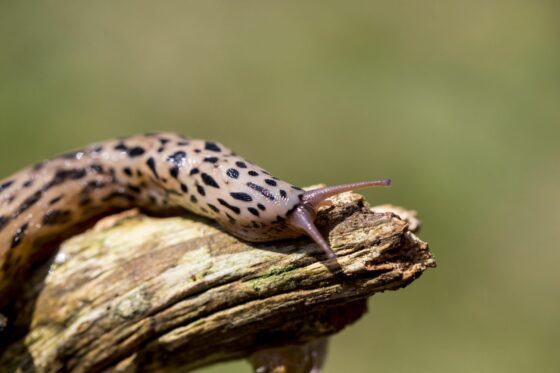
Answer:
(158, 173)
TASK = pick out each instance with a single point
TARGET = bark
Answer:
(140, 293)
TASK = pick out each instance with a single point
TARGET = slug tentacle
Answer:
(316, 196)
(159, 173)
(304, 214)
(303, 218)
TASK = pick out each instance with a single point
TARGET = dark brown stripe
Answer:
(28, 203)
(6, 185)
(235, 209)
(241, 196)
(262, 190)
(62, 175)
(55, 217)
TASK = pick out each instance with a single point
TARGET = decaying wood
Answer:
(139, 293)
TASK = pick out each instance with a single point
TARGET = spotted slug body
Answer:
(158, 173)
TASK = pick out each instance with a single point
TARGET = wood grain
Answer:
(140, 293)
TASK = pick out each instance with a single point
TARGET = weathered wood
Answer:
(139, 293)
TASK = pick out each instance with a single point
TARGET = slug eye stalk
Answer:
(304, 215)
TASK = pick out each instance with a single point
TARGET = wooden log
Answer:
(140, 293)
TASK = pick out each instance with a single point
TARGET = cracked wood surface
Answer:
(140, 293)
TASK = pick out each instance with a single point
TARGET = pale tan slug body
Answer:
(159, 173)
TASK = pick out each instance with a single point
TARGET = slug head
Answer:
(246, 200)
(285, 210)
(304, 214)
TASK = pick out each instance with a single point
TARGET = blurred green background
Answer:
(458, 102)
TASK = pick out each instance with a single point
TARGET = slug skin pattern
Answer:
(160, 173)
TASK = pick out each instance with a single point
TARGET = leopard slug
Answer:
(156, 172)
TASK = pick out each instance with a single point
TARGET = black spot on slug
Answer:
(194, 199)
(194, 171)
(265, 192)
(200, 190)
(283, 193)
(253, 173)
(63, 175)
(55, 217)
(55, 199)
(19, 235)
(74, 174)
(28, 183)
(209, 180)
(241, 196)
(270, 182)
(261, 206)
(253, 211)
(235, 209)
(152, 165)
(233, 173)
(95, 168)
(127, 171)
(121, 146)
(241, 164)
(29, 201)
(211, 159)
(184, 188)
(178, 158)
(4, 220)
(212, 146)
(6, 185)
(135, 152)
(134, 189)
(213, 208)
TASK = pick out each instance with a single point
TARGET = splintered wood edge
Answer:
(179, 293)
